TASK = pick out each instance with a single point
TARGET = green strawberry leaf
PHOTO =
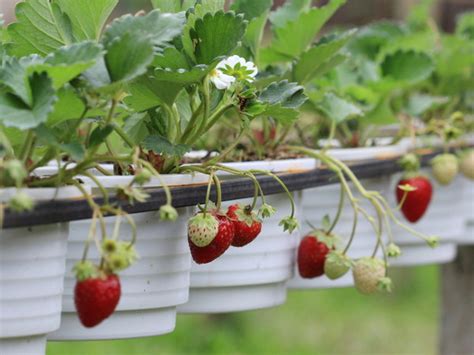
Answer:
(68, 107)
(140, 37)
(420, 103)
(161, 145)
(465, 25)
(139, 56)
(295, 37)
(48, 136)
(320, 55)
(279, 101)
(87, 17)
(381, 114)
(370, 39)
(142, 94)
(337, 109)
(13, 76)
(135, 127)
(172, 6)
(68, 62)
(251, 8)
(99, 134)
(16, 113)
(290, 95)
(254, 34)
(216, 35)
(407, 66)
(289, 11)
(159, 28)
(41, 28)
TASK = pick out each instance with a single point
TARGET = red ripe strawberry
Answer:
(311, 257)
(259, 135)
(246, 223)
(96, 298)
(417, 201)
(205, 242)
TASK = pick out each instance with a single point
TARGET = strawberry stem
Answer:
(218, 191)
(339, 210)
(289, 194)
(208, 193)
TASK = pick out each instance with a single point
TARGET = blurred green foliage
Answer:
(335, 321)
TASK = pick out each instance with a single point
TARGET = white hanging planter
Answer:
(321, 201)
(151, 288)
(32, 265)
(255, 276)
(467, 238)
(444, 218)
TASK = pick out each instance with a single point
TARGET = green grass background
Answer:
(334, 321)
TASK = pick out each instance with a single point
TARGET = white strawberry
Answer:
(369, 275)
(202, 229)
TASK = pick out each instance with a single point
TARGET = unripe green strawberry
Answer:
(393, 250)
(466, 164)
(336, 265)
(143, 176)
(445, 167)
(118, 255)
(367, 273)
(16, 171)
(168, 213)
(21, 202)
(202, 229)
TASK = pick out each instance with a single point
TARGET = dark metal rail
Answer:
(66, 210)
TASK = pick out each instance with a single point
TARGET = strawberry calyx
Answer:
(266, 210)
(244, 214)
(85, 270)
(118, 255)
(385, 284)
(393, 250)
(322, 236)
(289, 224)
(410, 163)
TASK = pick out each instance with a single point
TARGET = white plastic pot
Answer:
(254, 276)
(444, 218)
(32, 265)
(321, 201)
(151, 288)
(468, 199)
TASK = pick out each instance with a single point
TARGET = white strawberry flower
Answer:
(231, 69)
(220, 80)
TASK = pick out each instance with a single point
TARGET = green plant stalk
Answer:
(208, 194)
(102, 189)
(160, 178)
(112, 152)
(218, 191)
(119, 130)
(206, 101)
(282, 184)
(191, 124)
(78, 169)
(6, 144)
(229, 149)
(353, 202)
(332, 133)
(403, 200)
(340, 206)
(116, 231)
(27, 146)
(282, 137)
(90, 236)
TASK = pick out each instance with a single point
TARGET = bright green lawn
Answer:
(311, 322)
